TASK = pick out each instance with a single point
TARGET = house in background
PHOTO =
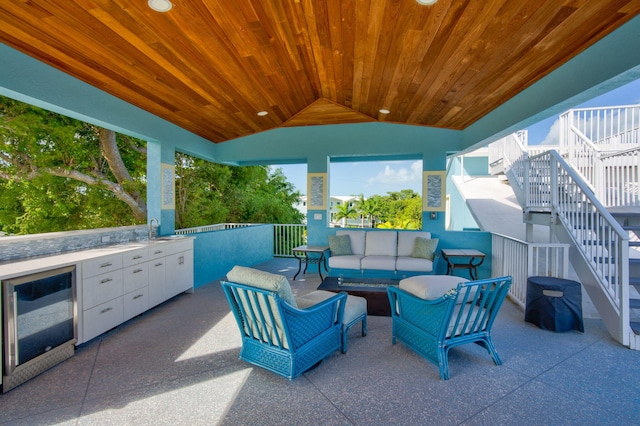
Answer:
(334, 202)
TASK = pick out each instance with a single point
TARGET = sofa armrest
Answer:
(436, 261)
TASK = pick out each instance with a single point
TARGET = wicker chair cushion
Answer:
(355, 306)
(430, 287)
(263, 280)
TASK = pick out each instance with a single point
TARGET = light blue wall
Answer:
(460, 214)
(215, 253)
(466, 240)
(315, 144)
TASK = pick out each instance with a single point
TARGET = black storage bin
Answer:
(554, 304)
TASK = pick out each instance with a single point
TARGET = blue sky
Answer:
(371, 178)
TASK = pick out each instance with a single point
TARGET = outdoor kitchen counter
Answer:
(43, 263)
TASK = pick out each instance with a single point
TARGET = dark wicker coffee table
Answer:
(372, 289)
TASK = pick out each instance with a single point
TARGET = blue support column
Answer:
(160, 185)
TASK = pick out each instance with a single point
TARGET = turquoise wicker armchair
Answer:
(463, 315)
(278, 336)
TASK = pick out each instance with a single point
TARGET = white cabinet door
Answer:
(157, 282)
(136, 302)
(179, 272)
(135, 277)
(102, 318)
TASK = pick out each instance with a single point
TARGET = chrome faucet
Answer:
(153, 228)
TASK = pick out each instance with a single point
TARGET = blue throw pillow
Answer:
(340, 245)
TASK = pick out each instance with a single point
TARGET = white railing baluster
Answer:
(522, 260)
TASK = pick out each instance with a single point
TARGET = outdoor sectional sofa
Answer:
(389, 254)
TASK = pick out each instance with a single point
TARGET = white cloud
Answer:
(553, 137)
(398, 176)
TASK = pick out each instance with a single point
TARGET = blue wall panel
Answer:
(466, 240)
(215, 253)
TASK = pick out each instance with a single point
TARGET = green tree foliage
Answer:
(58, 173)
(213, 193)
(396, 210)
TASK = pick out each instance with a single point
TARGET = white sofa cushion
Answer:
(385, 263)
(345, 262)
(381, 243)
(414, 264)
(430, 286)
(406, 241)
(357, 240)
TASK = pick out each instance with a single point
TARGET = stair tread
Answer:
(624, 211)
(632, 260)
(634, 303)
(604, 242)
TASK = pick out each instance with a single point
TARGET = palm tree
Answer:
(368, 208)
(344, 212)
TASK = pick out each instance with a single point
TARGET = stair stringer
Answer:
(515, 186)
(610, 314)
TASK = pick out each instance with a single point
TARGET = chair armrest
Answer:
(431, 316)
(306, 324)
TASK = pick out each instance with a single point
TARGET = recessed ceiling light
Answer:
(384, 111)
(160, 5)
(427, 2)
(262, 113)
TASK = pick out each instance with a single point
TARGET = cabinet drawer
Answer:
(101, 265)
(136, 302)
(135, 256)
(167, 248)
(135, 277)
(102, 318)
(179, 245)
(101, 288)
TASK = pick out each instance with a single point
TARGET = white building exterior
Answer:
(335, 202)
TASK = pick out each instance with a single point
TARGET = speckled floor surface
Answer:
(178, 364)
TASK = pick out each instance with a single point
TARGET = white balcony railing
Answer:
(285, 236)
(602, 144)
(521, 260)
(608, 128)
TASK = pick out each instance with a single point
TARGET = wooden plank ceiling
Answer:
(210, 66)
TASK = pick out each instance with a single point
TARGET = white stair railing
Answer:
(602, 242)
(621, 178)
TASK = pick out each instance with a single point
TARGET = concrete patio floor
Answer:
(178, 364)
